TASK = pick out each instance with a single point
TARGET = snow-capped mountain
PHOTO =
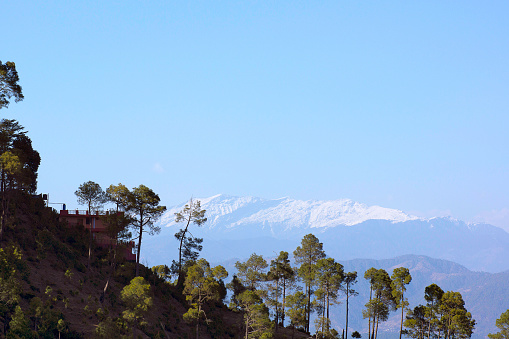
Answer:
(238, 226)
(359, 237)
(284, 217)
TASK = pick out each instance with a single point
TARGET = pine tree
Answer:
(350, 279)
(503, 324)
(433, 294)
(382, 302)
(9, 86)
(19, 163)
(457, 320)
(202, 284)
(297, 303)
(144, 209)
(400, 277)
(306, 255)
(189, 247)
(19, 326)
(416, 322)
(279, 277)
(237, 288)
(256, 315)
(252, 272)
(136, 297)
(329, 277)
(92, 195)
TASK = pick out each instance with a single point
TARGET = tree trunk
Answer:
(430, 317)
(346, 327)
(284, 303)
(369, 315)
(198, 320)
(139, 245)
(180, 279)
(308, 308)
(402, 309)
(376, 332)
(2, 187)
(247, 324)
(89, 238)
(277, 294)
(327, 321)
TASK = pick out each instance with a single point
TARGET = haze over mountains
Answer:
(239, 226)
(486, 295)
(437, 250)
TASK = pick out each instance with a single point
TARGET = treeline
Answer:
(110, 297)
(276, 294)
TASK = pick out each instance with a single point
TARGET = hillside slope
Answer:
(54, 273)
(56, 285)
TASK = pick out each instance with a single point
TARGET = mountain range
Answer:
(458, 256)
(239, 226)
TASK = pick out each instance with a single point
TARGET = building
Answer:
(94, 223)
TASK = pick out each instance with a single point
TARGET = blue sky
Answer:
(399, 104)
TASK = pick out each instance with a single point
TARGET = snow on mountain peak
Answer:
(283, 214)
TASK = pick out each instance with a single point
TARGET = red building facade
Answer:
(94, 223)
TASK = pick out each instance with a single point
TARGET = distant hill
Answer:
(238, 226)
(486, 295)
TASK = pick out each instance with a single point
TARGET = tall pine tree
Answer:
(306, 256)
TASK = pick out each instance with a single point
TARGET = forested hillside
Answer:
(71, 280)
(73, 274)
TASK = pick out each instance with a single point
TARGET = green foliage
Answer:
(378, 308)
(9, 86)
(329, 277)
(136, 297)
(19, 326)
(251, 272)
(444, 315)
(68, 274)
(202, 284)
(306, 255)
(119, 195)
(256, 315)
(117, 226)
(189, 246)
(111, 328)
(346, 287)
(10, 163)
(90, 194)
(11, 268)
(143, 208)
(503, 325)
(162, 272)
(44, 316)
(400, 277)
(61, 326)
(237, 288)
(416, 324)
(18, 167)
(356, 334)
(297, 309)
(433, 295)
(280, 278)
(457, 321)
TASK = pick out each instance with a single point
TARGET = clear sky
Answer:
(402, 104)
